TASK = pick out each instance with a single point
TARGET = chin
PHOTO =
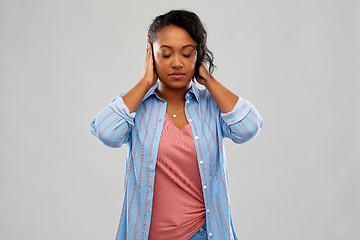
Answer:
(180, 84)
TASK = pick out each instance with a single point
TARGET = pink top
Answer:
(178, 210)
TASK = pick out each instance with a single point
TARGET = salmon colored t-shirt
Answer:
(178, 210)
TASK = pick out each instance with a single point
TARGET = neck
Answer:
(172, 95)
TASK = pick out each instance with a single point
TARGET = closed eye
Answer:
(167, 56)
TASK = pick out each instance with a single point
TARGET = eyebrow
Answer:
(167, 46)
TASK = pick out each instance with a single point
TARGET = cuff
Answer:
(119, 107)
(240, 110)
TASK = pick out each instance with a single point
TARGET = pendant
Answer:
(174, 115)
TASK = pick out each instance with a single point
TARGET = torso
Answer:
(178, 209)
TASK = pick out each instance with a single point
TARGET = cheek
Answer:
(192, 63)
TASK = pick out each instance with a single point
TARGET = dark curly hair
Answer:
(192, 24)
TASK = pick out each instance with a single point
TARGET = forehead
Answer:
(173, 36)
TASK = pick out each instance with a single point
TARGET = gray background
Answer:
(61, 62)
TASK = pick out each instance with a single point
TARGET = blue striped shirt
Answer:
(141, 131)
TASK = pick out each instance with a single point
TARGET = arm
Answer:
(240, 120)
(225, 99)
(134, 97)
(242, 123)
(113, 125)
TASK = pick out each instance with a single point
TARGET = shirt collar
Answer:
(194, 90)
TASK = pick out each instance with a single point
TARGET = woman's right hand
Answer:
(150, 75)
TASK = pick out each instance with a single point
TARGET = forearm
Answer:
(133, 98)
(225, 99)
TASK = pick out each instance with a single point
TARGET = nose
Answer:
(177, 62)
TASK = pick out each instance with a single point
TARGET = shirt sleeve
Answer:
(113, 124)
(242, 123)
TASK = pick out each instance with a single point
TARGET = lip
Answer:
(177, 75)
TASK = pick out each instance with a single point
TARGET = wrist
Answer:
(209, 81)
(147, 84)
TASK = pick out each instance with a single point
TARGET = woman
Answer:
(176, 184)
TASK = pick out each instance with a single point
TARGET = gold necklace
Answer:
(176, 108)
(173, 114)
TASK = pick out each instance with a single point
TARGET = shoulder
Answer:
(201, 93)
(205, 102)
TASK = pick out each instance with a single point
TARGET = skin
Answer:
(174, 50)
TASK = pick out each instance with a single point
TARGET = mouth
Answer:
(177, 75)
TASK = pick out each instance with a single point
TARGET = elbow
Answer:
(93, 128)
(252, 124)
(246, 131)
(255, 130)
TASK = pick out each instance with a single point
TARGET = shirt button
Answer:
(204, 186)
(190, 120)
(210, 234)
(201, 162)
(188, 101)
(207, 210)
(196, 137)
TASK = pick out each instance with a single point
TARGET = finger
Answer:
(148, 43)
(146, 49)
(203, 69)
(146, 53)
(146, 63)
(150, 52)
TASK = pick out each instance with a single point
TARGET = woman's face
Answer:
(175, 57)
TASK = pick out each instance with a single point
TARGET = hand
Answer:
(150, 75)
(204, 75)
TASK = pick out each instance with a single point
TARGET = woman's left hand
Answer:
(203, 72)
(225, 99)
